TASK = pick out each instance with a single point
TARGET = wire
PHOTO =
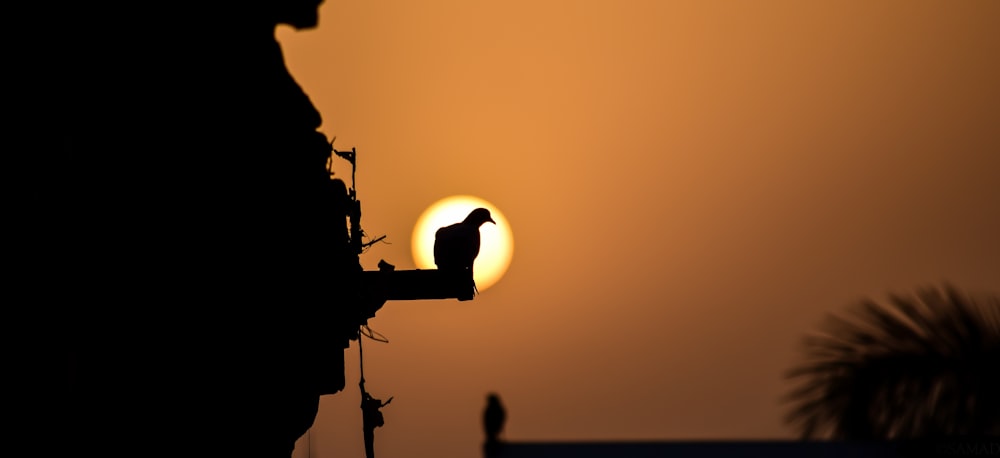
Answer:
(370, 333)
(366, 245)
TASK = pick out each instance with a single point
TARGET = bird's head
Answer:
(479, 216)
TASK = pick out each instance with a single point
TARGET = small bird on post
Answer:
(493, 419)
(456, 246)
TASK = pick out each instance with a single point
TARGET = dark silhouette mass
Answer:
(190, 251)
(456, 246)
(494, 417)
(915, 368)
(371, 418)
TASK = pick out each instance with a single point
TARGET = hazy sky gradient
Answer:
(692, 185)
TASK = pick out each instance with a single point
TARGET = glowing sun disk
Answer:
(497, 240)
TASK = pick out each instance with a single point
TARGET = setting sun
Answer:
(497, 245)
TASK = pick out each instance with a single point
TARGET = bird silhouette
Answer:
(493, 418)
(456, 246)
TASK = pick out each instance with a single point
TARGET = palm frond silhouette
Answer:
(915, 367)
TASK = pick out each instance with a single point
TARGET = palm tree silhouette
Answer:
(917, 367)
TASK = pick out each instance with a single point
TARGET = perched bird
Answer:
(493, 418)
(456, 246)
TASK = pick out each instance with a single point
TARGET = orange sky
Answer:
(692, 185)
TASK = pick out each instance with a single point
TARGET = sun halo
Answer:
(497, 240)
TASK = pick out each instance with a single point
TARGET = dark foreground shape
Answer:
(913, 367)
(408, 285)
(696, 449)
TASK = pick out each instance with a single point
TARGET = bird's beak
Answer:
(491, 220)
